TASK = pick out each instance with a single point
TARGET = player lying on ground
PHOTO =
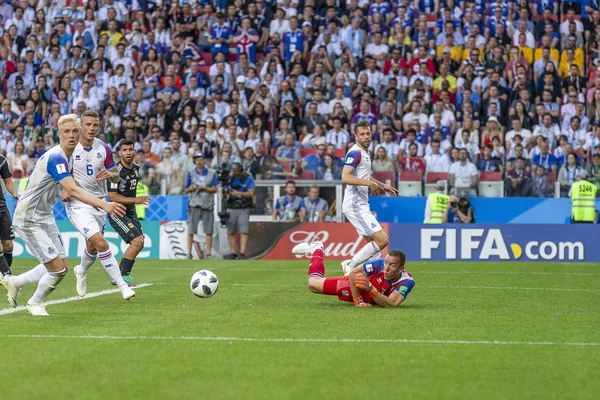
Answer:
(382, 282)
(356, 175)
(92, 165)
(35, 223)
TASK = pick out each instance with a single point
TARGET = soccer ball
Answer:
(204, 283)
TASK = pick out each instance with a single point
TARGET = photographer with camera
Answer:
(201, 187)
(459, 211)
(238, 196)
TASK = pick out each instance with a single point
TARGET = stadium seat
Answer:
(286, 165)
(307, 176)
(207, 58)
(232, 57)
(205, 69)
(430, 180)
(340, 153)
(304, 152)
(410, 183)
(389, 178)
(491, 184)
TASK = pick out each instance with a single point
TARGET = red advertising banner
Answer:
(341, 240)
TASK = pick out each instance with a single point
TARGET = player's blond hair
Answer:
(68, 118)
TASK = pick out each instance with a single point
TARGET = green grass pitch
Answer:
(467, 331)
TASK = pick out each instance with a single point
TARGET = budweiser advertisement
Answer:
(341, 240)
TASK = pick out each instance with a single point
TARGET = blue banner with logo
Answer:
(479, 242)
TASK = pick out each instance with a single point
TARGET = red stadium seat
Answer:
(340, 153)
(232, 57)
(286, 165)
(205, 69)
(409, 176)
(274, 151)
(207, 58)
(490, 176)
(307, 176)
(433, 177)
(305, 152)
(551, 177)
(388, 178)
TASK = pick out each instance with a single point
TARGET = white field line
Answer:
(6, 311)
(304, 340)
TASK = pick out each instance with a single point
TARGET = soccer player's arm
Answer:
(359, 280)
(7, 178)
(110, 166)
(59, 170)
(113, 195)
(352, 160)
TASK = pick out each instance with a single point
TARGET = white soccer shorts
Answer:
(362, 219)
(87, 220)
(42, 240)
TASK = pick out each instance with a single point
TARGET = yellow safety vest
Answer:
(583, 199)
(23, 184)
(438, 203)
(140, 209)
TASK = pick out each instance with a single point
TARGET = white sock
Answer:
(32, 276)
(87, 260)
(47, 284)
(365, 253)
(110, 264)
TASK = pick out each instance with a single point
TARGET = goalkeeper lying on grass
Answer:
(382, 282)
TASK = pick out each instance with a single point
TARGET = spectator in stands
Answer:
(312, 162)
(412, 162)
(593, 170)
(546, 159)
(392, 149)
(488, 162)
(518, 180)
(289, 207)
(568, 174)
(541, 186)
(381, 161)
(435, 161)
(330, 171)
(463, 176)
(288, 152)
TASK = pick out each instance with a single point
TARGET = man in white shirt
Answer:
(415, 114)
(338, 136)
(436, 161)
(529, 38)
(378, 50)
(517, 129)
(390, 147)
(463, 176)
(127, 62)
(375, 77)
(564, 26)
(91, 103)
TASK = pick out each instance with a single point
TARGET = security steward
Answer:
(201, 187)
(437, 203)
(240, 197)
(583, 200)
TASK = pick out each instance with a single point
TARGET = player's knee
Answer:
(382, 241)
(7, 245)
(137, 243)
(100, 245)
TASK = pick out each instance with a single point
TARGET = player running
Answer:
(124, 192)
(382, 282)
(356, 175)
(35, 223)
(7, 233)
(92, 165)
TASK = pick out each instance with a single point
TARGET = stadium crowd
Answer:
(277, 85)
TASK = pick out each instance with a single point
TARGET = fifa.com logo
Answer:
(490, 244)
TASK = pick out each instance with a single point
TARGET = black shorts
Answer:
(7, 232)
(128, 227)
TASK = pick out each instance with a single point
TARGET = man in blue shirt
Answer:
(545, 158)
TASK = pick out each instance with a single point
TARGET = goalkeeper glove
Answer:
(360, 303)
(362, 282)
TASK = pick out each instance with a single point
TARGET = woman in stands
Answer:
(568, 174)
(329, 172)
(382, 162)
